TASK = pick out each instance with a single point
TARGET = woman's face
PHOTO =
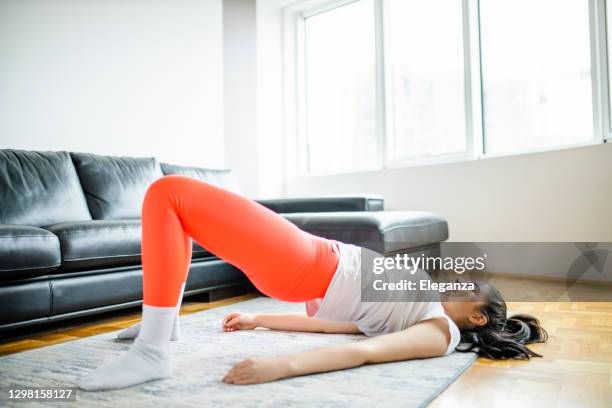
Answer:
(464, 308)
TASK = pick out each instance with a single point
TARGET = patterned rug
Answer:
(204, 354)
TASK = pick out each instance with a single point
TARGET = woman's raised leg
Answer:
(280, 259)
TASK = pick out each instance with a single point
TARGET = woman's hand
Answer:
(257, 370)
(237, 321)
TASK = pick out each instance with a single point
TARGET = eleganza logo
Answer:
(424, 284)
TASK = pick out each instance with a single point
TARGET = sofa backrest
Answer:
(44, 188)
(220, 178)
(39, 188)
(115, 186)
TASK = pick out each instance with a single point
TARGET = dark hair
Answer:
(502, 337)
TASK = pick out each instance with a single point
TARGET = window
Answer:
(341, 112)
(536, 69)
(426, 92)
(389, 82)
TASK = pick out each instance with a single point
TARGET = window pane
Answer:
(536, 74)
(341, 125)
(425, 42)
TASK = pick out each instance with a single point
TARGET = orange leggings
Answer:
(280, 259)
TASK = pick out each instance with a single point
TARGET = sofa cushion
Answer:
(382, 231)
(38, 188)
(115, 186)
(27, 251)
(102, 243)
(220, 178)
(98, 243)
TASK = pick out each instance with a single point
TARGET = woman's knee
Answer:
(165, 186)
(175, 186)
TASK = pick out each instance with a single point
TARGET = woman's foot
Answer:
(143, 362)
(132, 331)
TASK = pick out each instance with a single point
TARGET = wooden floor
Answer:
(576, 367)
(576, 370)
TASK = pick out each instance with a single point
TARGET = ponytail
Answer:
(501, 337)
(505, 343)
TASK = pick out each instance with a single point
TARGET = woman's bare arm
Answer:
(289, 322)
(426, 339)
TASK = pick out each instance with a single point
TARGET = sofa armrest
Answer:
(325, 204)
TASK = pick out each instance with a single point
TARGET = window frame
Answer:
(300, 48)
(600, 55)
(472, 95)
(294, 87)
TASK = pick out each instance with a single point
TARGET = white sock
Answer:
(143, 362)
(148, 358)
(132, 331)
(156, 325)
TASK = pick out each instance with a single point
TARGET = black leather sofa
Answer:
(70, 232)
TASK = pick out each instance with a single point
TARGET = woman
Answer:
(289, 264)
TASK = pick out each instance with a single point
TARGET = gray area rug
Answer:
(204, 354)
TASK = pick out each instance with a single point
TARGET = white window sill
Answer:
(446, 159)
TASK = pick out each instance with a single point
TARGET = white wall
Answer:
(271, 145)
(253, 94)
(129, 77)
(240, 91)
(563, 195)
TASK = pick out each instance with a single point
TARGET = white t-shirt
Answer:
(342, 302)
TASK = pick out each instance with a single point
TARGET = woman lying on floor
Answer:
(290, 264)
